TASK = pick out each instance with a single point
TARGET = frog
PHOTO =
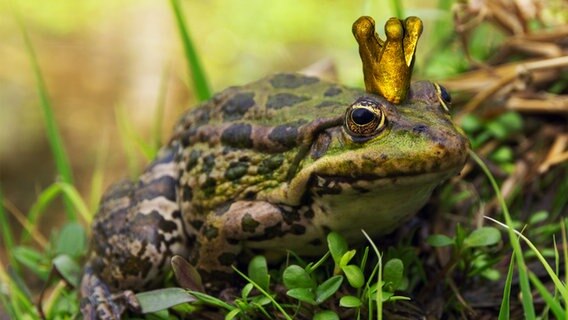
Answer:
(274, 166)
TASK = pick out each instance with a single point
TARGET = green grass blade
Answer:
(52, 132)
(560, 201)
(266, 294)
(527, 301)
(556, 263)
(96, 188)
(504, 311)
(156, 139)
(398, 9)
(565, 251)
(7, 236)
(133, 141)
(43, 200)
(196, 71)
(560, 286)
(554, 305)
(7, 307)
(379, 300)
(46, 197)
(445, 5)
(97, 178)
(125, 133)
(20, 305)
(72, 194)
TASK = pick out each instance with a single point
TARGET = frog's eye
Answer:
(443, 96)
(364, 118)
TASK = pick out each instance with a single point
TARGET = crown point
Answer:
(394, 29)
(364, 26)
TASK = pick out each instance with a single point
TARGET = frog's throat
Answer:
(387, 65)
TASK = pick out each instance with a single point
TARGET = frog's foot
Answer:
(99, 302)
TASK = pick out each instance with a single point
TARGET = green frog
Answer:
(275, 165)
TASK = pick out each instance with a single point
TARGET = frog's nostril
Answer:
(419, 128)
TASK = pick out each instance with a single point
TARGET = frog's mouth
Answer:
(329, 184)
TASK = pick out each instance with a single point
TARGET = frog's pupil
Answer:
(362, 116)
(445, 95)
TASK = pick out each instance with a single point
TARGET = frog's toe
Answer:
(99, 303)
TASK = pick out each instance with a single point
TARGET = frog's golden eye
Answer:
(443, 96)
(364, 118)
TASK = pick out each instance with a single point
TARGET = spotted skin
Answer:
(264, 168)
(138, 229)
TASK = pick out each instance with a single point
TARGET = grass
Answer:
(7, 236)
(526, 294)
(353, 282)
(196, 72)
(52, 132)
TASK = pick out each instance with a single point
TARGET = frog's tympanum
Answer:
(275, 165)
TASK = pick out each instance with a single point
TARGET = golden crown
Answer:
(387, 65)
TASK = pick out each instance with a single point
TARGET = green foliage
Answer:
(471, 252)
(306, 289)
(130, 141)
(34, 260)
(196, 72)
(398, 9)
(61, 257)
(500, 128)
(296, 277)
(327, 288)
(307, 285)
(152, 301)
(393, 275)
(440, 240)
(559, 286)
(482, 237)
(554, 305)
(350, 302)
(258, 272)
(47, 197)
(52, 132)
(342, 257)
(527, 301)
(326, 315)
(505, 303)
(7, 236)
(71, 240)
(354, 275)
(68, 268)
(447, 56)
(212, 301)
(337, 246)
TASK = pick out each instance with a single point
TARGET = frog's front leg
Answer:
(137, 230)
(225, 233)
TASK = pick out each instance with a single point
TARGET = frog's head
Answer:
(380, 139)
(394, 145)
(412, 143)
(381, 165)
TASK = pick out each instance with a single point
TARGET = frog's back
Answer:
(244, 139)
(271, 101)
